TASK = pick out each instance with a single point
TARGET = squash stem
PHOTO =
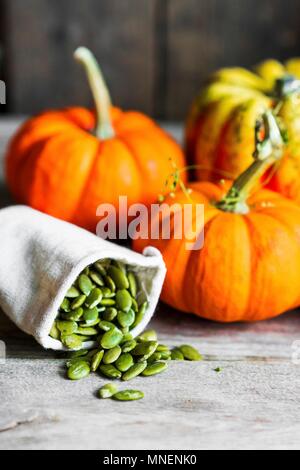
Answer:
(268, 151)
(104, 129)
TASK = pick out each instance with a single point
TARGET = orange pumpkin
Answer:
(67, 162)
(219, 133)
(249, 266)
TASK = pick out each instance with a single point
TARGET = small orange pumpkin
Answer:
(249, 266)
(219, 132)
(67, 162)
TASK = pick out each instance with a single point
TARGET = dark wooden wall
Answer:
(154, 53)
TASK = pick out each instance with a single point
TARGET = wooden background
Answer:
(155, 53)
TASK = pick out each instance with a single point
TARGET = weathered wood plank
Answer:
(203, 36)
(43, 35)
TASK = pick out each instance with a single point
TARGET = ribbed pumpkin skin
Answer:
(249, 267)
(56, 165)
(219, 132)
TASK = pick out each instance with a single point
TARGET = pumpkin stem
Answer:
(269, 150)
(104, 129)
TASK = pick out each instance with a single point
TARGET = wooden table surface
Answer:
(253, 403)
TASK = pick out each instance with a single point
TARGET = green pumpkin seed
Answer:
(94, 298)
(176, 355)
(72, 293)
(79, 371)
(111, 338)
(128, 395)
(110, 314)
(54, 333)
(110, 371)
(110, 284)
(125, 330)
(71, 341)
(85, 284)
(120, 265)
(124, 362)
(106, 325)
(119, 277)
(155, 368)
(107, 391)
(74, 315)
(96, 360)
(81, 353)
(148, 335)
(165, 355)
(107, 293)
(123, 300)
(135, 306)
(101, 267)
(140, 315)
(67, 327)
(65, 305)
(90, 315)
(126, 338)
(132, 284)
(154, 357)
(145, 349)
(97, 278)
(111, 355)
(75, 360)
(190, 353)
(129, 346)
(126, 319)
(134, 371)
(89, 324)
(108, 302)
(86, 338)
(162, 347)
(78, 302)
(87, 331)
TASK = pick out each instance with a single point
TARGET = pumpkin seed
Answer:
(81, 353)
(85, 284)
(126, 319)
(134, 371)
(110, 314)
(165, 355)
(72, 341)
(75, 360)
(74, 315)
(96, 360)
(135, 306)
(110, 371)
(123, 300)
(78, 302)
(190, 353)
(107, 391)
(54, 333)
(79, 371)
(100, 268)
(65, 305)
(154, 357)
(97, 278)
(111, 338)
(106, 325)
(129, 346)
(140, 315)
(148, 335)
(145, 349)
(72, 293)
(94, 298)
(119, 265)
(162, 347)
(107, 293)
(111, 355)
(110, 284)
(128, 395)
(119, 277)
(108, 302)
(132, 284)
(89, 324)
(176, 355)
(90, 315)
(67, 327)
(87, 331)
(124, 362)
(155, 368)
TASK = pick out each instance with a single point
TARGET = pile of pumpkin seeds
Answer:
(104, 304)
